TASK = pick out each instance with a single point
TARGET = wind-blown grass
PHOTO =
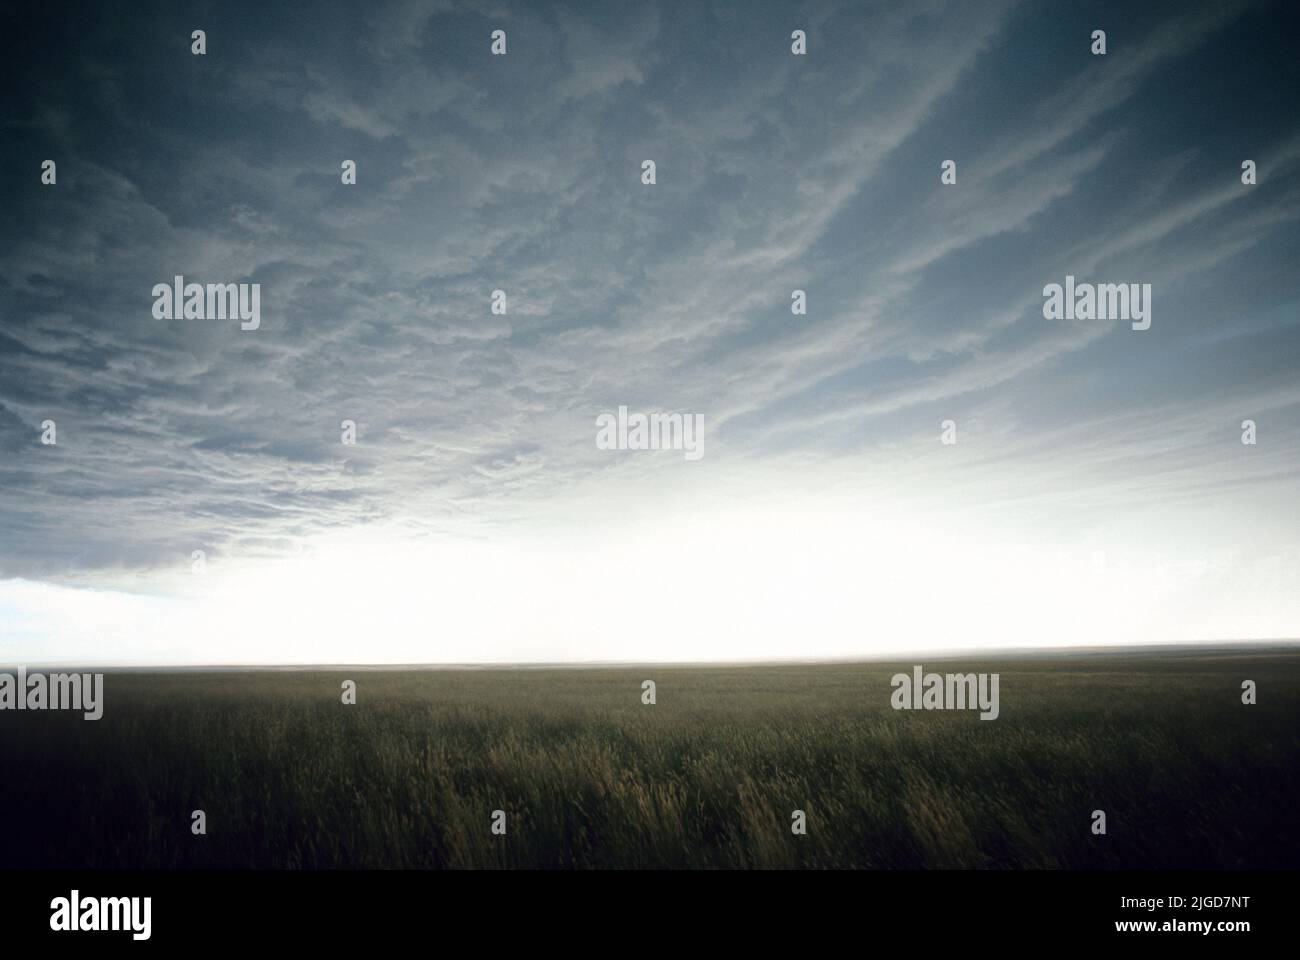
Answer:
(289, 777)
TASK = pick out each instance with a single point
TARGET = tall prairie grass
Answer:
(588, 776)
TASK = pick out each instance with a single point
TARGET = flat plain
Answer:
(590, 777)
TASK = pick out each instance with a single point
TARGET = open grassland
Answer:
(588, 776)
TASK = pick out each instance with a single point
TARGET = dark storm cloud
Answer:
(522, 173)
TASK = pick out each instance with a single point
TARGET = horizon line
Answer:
(1220, 646)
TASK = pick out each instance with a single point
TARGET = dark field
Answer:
(589, 777)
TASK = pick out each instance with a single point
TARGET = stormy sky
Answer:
(1099, 490)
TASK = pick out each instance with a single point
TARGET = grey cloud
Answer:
(522, 174)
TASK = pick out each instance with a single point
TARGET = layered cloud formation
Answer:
(522, 173)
